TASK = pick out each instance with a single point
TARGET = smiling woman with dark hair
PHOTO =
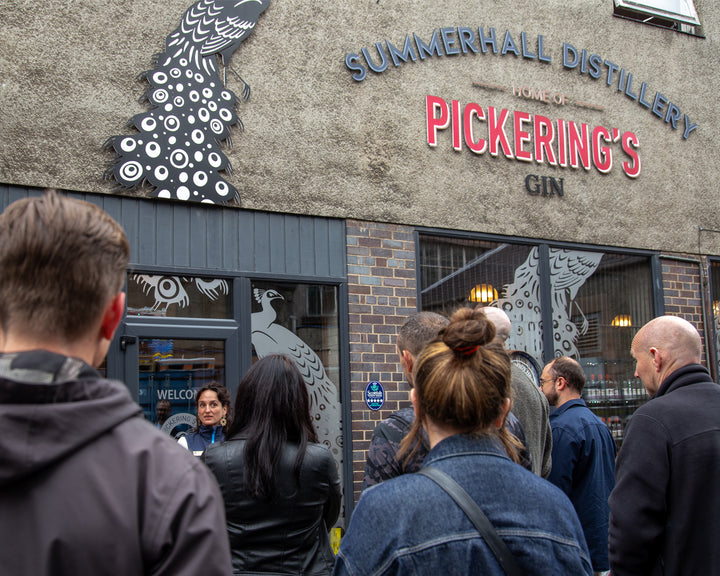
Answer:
(281, 488)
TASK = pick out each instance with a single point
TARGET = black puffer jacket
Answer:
(288, 535)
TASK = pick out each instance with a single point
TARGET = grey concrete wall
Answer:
(318, 142)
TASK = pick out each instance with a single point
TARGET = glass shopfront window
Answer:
(715, 291)
(178, 296)
(182, 332)
(301, 320)
(561, 301)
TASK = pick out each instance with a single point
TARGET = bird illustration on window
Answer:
(569, 270)
(169, 290)
(177, 152)
(269, 337)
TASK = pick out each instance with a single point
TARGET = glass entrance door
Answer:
(171, 371)
(165, 366)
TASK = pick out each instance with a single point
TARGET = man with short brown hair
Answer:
(583, 454)
(87, 486)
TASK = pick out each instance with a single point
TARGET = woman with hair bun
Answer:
(410, 525)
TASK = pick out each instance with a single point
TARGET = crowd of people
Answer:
(485, 473)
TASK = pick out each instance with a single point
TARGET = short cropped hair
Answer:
(61, 262)
(419, 330)
(570, 370)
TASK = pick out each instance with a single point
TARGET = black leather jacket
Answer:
(288, 535)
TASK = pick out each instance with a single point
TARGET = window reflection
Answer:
(715, 287)
(301, 320)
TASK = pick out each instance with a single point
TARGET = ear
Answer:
(414, 399)
(657, 359)
(500, 420)
(112, 316)
(409, 360)
(560, 383)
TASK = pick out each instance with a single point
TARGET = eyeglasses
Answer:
(543, 380)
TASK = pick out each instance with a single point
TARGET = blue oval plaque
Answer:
(374, 395)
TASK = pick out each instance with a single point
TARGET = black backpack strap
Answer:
(477, 517)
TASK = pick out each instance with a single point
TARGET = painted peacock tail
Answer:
(178, 149)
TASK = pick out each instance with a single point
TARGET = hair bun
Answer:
(469, 329)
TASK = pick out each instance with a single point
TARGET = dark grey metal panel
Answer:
(175, 235)
(198, 239)
(143, 249)
(163, 236)
(292, 244)
(181, 235)
(242, 231)
(336, 246)
(306, 236)
(213, 246)
(261, 242)
(278, 256)
(322, 249)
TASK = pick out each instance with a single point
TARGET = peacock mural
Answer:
(177, 152)
(270, 337)
(569, 270)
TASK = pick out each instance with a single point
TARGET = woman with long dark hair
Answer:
(213, 416)
(412, 524)
(281, 488)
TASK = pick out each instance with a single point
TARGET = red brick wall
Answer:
(382, 293)
(681, 287)
(683, 292)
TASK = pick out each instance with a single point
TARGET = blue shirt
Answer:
(409, 526)
(583, 466)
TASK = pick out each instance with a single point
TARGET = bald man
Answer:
(529, 403)
(665, 508)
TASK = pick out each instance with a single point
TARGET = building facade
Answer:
(387, 157)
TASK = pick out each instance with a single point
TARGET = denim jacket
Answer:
(410, 526)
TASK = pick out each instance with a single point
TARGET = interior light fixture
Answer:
(483, 293)
(622, 320)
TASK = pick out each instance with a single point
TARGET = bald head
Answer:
(500, 320)
(676, 336)
(662, 346)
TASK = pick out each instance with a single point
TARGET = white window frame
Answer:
(686, 13)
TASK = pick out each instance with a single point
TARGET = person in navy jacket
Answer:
(583, 454)
(213, 407)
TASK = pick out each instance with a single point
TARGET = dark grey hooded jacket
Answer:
(88, 487)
